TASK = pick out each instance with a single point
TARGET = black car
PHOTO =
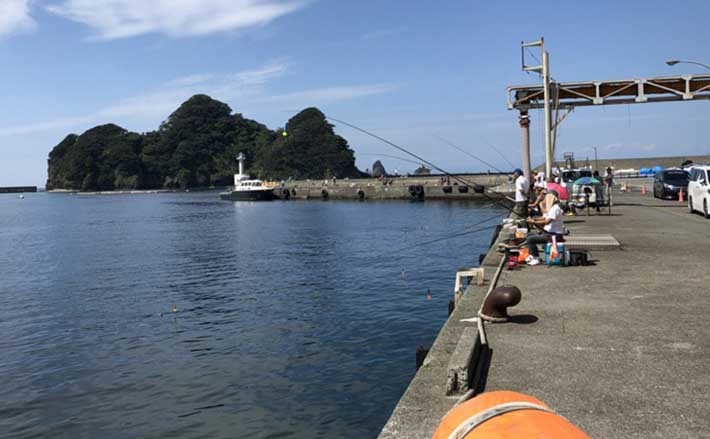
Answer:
(668, 183)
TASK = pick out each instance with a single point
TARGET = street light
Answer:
(673, 62)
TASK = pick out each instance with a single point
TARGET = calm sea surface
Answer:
(294, 319)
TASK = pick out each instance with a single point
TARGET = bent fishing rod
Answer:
(455, 177)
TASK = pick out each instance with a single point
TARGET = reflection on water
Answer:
(180, 316)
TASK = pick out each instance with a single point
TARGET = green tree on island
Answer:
(196, 146)
(310, 149)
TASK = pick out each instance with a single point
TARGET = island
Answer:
(196, 147)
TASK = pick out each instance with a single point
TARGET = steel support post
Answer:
(525, 147)
(548, 113)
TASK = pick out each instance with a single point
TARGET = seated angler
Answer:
(536, 206)
(551, 225)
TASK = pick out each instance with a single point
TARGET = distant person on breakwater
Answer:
(609, 177)
(521, 194)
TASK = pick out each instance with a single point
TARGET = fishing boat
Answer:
(247, 189)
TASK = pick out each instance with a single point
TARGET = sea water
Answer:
(183, 316)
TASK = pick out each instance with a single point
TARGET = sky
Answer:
(419, 73)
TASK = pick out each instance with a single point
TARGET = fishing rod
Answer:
(451, 144)
(456, 234)
(455, 177)
(445, 238)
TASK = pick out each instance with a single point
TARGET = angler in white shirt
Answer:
(522, 186)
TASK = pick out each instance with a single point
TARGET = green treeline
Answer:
(196, 147)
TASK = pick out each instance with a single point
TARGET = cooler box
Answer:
(557, 258)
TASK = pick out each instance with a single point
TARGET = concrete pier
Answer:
(620, 348)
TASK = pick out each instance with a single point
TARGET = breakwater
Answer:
(17, 189)
(461, 187)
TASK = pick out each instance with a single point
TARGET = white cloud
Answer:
(35, 127)
(326, 95)
(248, 88)
(113, 19)
(15, 17)
(158, 104)
(190, 80)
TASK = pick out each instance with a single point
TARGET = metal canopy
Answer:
(631, 91)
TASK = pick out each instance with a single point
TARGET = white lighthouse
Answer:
(241, 176)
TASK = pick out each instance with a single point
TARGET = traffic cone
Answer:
(643, 190)
(681, 196)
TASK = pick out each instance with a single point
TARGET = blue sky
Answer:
(412, 71)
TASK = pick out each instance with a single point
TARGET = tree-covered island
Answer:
(196, 147)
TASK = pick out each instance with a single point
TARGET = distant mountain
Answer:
(196, 147)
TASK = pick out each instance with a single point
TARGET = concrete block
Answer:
(462, 364)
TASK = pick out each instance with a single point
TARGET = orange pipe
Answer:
(532, 419)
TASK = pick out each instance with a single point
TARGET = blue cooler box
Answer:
(559, 257)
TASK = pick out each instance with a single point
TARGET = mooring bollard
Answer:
(495, 307)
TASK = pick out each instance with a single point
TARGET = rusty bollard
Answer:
(495, 307)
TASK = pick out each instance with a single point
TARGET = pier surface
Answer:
(620, 348)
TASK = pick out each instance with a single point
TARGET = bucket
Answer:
(513, 261)
(523, 254)
(505, 415)
(555, 258)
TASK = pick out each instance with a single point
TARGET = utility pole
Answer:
(548, 110)
(596, 159)
(544, 71)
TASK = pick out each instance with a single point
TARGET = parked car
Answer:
(669, 182)
(699, 190)
(569, 176)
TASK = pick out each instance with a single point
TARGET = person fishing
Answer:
(535, 207)
(551, 226)
(521, 194)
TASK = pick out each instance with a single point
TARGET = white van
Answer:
(699, 190)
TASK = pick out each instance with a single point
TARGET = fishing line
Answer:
(451, 144)
(390, 156)
(445, 238)
(498, 151)
(455, 177)
(454, 235)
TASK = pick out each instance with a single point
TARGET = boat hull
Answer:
(260, 195)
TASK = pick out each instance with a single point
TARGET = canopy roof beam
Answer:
(630, 91)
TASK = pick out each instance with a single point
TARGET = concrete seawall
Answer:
(472, 186)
